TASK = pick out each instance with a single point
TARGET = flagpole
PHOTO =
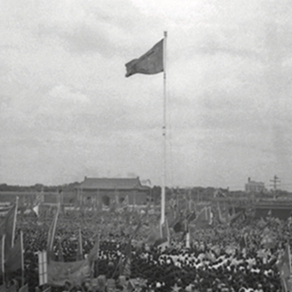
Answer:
(3, 258)
(14, 222)
(164, 136)
(22, 258)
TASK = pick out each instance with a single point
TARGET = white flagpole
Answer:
(22, 258)
(164, 137)
(14, 222)
(3, 258)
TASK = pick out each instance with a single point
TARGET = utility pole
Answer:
(275, 181)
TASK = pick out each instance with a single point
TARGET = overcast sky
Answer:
(67, 110)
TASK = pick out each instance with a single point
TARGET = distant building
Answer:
(109, 191)
(254, 187)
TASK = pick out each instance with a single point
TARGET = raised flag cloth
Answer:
(13, 261)
(93, 255)
(79, 247)
(8, 227)
(204, 218)
(73, 272)
(284, 267)
(149, 63)
(24, 288)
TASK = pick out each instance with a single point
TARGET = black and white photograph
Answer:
(146, 146)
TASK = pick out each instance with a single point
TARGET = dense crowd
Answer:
(241, 257)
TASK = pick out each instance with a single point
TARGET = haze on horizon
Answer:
(67, 110)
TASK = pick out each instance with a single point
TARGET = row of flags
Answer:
(58, 273)
(284, 267)
(12, 251)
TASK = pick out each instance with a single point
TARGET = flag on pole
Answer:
(163, 242)
(24, 288)
(51, 235)
(149, 63)
(13, 287)
(36, 209)
(284, 266)
(209, 215)
(60, 251)
(125, 265)
(93, 255)
(79, 247)
(204, 218)
(13, 261)
(8, 226)
(60, 273)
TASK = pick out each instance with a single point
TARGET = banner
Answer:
(73, 272)
(43, 276)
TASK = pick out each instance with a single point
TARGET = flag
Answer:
(79, 247)
(149, 63)
(209, 215)
(243, 241)
(153, 236)
(125, 266)
(12, 288)
(14, 257)
(228, 219)
(60, 251)
(284, 266)
(8, 227)
(36, 209)
(178, 225)
(269, 239)
(23, 288)
(163, 242)
(73, 272)
(51, 235)
(204, 218)
(3, 254)
(191, 217)
(165, 230)
(235, 217)
(93, 255)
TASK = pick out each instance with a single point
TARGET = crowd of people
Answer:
(243, 256)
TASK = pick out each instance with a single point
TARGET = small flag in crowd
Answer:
(150, 63)
(205, 217)
(13, 287)
(36, 210)
(284, 266)
(79, 247)
(93, 255)
(24, 288)
(60, 251)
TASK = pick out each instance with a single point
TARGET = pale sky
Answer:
(67, 110)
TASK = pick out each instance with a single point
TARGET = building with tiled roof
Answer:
(109, 191)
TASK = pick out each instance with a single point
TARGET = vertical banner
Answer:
(43, 269)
